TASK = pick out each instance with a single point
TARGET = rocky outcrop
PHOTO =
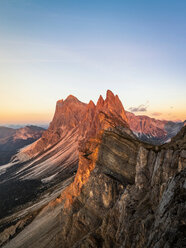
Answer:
(151, 212)
(87, 119)
(125, 194)
(56, 152)
(54, 157)
(132, 196)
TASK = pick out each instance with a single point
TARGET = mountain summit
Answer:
(74, 122)
(72, 115)
(89, 182)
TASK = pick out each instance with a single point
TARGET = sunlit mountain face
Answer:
(82, 166)
(96, 170)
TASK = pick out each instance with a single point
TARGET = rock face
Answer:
(53, 158)
(87, 119)
(134, 197)
(13, 139)
(152, 130)
(125, 193)
(56, 152)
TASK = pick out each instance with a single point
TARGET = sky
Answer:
(51, 49)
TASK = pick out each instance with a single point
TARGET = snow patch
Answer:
(48, 179)
(3, 168)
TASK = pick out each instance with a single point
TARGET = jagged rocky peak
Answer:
(112, 105)
(87, 119)
(125, 193)
(105, 114)
(91, 104)
(71, 112)
(68, 112)
(100, 101)
(110, 94)
(71, 107)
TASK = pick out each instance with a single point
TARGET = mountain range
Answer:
(152, 130)
(11, 140)
(145, 128)
(97, 177)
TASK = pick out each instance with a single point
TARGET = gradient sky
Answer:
(50, 49)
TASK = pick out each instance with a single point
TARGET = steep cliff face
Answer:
(134, 197)
(67, 116)
(84, 119)
(150, 212)
(125, 194)
(56, 152)
(43, 166)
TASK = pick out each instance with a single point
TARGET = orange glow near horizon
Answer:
(170, 116)
(25, 118)
(20, 117)
(49, 51)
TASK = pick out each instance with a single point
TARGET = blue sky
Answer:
(50, 49)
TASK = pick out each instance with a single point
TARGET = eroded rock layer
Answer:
(125, 194)
(87, 119)
(135, 197)
(38, 169)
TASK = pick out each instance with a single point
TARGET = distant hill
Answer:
(11, 140)
(152, 130)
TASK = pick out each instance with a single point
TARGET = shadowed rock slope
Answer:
(125, 194)
(47, 164)
(56, 151)
(11, 140)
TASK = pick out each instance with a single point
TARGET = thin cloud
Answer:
(156, 113)
(140, 108)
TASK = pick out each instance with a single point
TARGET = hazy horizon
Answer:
(51, 49)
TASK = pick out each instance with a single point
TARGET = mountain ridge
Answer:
(11, 140)
(153, 130)
(72, 113)
(126, 193)
(92, 183)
